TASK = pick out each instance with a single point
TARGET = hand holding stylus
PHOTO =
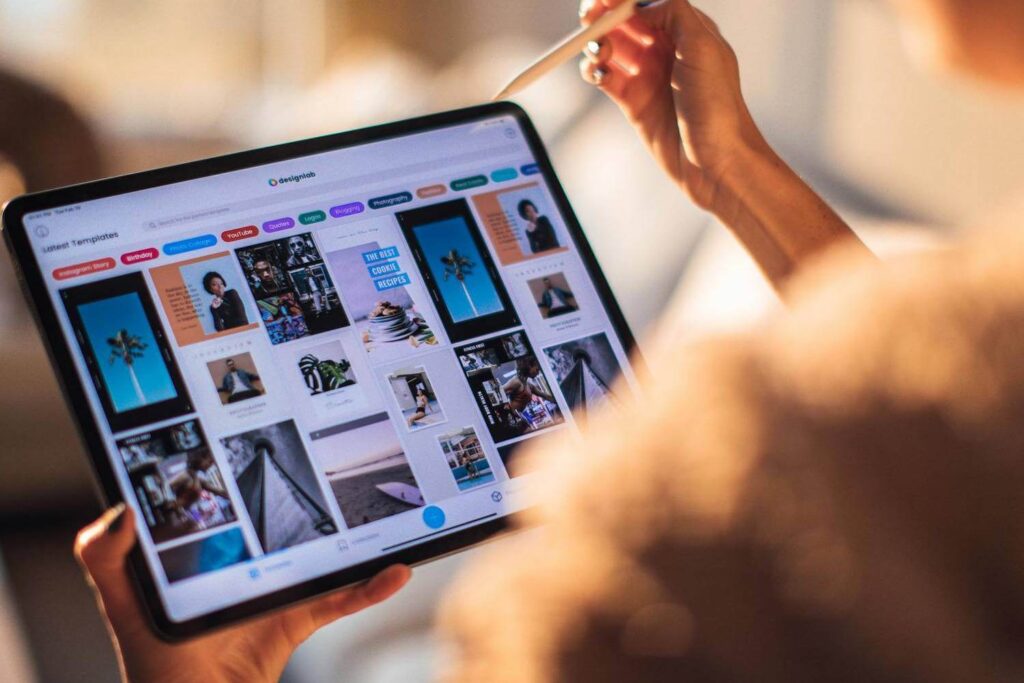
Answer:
(254, 651)
(677, 80)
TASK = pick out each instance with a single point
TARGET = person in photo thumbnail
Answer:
(368, 470)
(278, 486)
(415, 395)
(227, 308)
(509, 385)
(553, 296)
(466, 459)
(539, 231)
(301, 251)
(179, 487)
(236, 378)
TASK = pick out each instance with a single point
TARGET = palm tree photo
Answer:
(459, 267)
(127, 348)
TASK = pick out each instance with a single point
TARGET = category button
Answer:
(431, 191)
(236, 234)
(86, 268)
(350, 209)
(469, 183)
(504, 174)
(278, 224)
(191, 244)
(311, 217)
(131, 257)
(529, 169)
(390, 200)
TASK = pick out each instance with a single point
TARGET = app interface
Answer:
(302, 366)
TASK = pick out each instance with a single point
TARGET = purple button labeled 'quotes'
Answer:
(278, 224)
(347, 209)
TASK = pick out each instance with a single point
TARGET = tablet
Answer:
(304, 363)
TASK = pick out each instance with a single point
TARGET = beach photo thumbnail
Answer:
(279, 487)
(466, 458)
(179, 488)
(416, 398)
(235, 378)
(368, 470)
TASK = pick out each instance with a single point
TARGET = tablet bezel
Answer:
(34, 288)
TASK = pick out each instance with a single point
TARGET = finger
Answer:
(685, 21)
(379, 588)
(611, 78)
(102, 550)
(624, 48)
(598, 51)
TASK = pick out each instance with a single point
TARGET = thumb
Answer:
(102, 550)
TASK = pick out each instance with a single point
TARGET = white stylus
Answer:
(572, 45)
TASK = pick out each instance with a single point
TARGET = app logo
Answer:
(297, 178)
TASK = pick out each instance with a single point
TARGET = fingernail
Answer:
(593, 49)
(585, 7)
(116, 518)
(599, 75)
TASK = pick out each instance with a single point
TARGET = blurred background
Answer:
(92, 88)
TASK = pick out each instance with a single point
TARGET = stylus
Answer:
(572, 44)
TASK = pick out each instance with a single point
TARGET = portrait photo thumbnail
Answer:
(295, 294)
(279, 488)
(553, 295)
(509, 386)
(368, 470)
(204, 298)
(236, 378)
(177, 483)
(521, 223)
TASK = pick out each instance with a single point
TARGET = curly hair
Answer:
(209, 278)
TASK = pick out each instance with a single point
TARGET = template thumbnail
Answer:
(202, 299)
(209, 554)
(126, 351)
(236, 378)
(278, 486)
(294, 292)
(178, 485)
(416, 398)
(458, 270)
(585, 370)
(367, 469)
(553, 295)
(520, 223)
(382, 309)
(466, 458)
(509, 386)
(325, 368)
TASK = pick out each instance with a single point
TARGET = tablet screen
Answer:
(301, 366)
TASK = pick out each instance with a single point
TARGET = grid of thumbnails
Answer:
(289, 389)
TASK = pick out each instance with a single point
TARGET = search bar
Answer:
(350, 184)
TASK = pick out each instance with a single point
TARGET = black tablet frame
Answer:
(58, 346)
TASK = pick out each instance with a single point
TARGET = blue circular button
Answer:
(433, 517)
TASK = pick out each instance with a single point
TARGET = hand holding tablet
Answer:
(301, 365)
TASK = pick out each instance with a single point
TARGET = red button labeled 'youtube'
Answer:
(80, 269)
(240, 233)
(140, 255)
